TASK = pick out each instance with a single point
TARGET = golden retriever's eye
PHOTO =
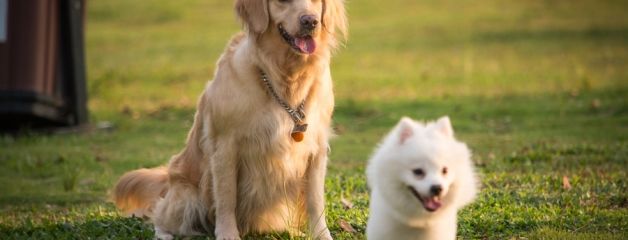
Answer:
(445, 171)
(418, 172)
(285, 1)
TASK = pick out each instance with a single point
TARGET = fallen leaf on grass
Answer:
(346, 226)
(596, 104)
(87, 181)
(126, 110)
(339, 129)
(566, 184)
(346, 203)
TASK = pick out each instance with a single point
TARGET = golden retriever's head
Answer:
(303, 25)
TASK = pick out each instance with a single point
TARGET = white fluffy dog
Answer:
(419, 177)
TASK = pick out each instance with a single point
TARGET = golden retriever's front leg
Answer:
(224, 174)
(316, 197)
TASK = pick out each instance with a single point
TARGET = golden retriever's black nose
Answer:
(436, 190)
(309, 22)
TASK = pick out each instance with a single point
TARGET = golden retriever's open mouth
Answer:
(430, 204)
(304, 44)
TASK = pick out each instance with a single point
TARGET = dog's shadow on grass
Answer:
(103, 228)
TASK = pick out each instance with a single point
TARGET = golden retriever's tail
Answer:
(137, 192)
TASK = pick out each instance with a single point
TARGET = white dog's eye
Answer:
(285, 1)
(418, 172)
(445, 171)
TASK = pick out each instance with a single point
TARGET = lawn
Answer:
(538, 89)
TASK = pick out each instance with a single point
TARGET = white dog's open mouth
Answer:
(303, 44)
(431, 204)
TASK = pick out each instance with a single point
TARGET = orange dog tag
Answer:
(298, 132)
(297, 136)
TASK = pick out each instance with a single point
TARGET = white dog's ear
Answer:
(443, 125)
(405, 129)
(254, 14)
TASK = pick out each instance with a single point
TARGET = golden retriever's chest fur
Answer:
(271, 170)
(271, 166)
(269, 152)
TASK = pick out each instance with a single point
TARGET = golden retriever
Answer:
(256, 156)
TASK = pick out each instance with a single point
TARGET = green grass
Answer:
(538, 89)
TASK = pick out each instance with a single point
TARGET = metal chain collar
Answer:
(297, 115)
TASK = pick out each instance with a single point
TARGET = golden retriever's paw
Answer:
(324, 235)
(226, 232)
(161, 234)
(228, 237)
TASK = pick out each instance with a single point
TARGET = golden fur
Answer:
(240, 171)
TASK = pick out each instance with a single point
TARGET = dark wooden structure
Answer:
(42, 66)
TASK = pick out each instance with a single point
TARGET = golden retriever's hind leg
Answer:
(181, 212)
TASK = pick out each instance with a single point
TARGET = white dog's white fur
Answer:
(419, 177)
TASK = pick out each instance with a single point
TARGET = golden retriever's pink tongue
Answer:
(306, 44)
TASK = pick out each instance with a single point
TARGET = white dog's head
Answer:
(424, 163)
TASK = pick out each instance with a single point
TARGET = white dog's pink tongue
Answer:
(431, 204)
(306, 44)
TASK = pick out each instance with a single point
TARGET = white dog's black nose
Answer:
(436, 190)
(309, 22)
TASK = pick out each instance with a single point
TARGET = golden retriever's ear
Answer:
(254, 14)
(335, 18)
